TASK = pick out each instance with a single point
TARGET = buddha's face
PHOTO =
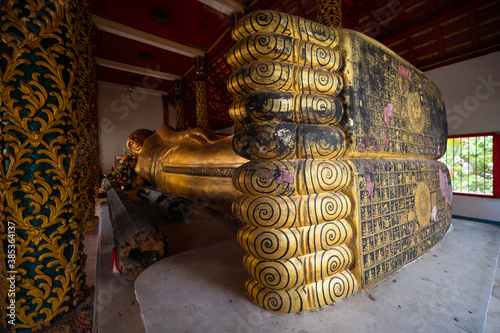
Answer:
(135, 141)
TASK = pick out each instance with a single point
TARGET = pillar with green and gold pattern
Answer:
(46, 127)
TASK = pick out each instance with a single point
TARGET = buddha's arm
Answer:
(170, 137)
(138, 182)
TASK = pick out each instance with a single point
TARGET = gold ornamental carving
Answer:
(49, 155)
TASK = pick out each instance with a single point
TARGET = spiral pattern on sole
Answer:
(292, 177)
(269, 244)
(305, 298)
(281, 23)
(290, 273)
(281, 106)
(270, 74)
(276, 47)
(290, 212)
(278, 141)
(279, 244)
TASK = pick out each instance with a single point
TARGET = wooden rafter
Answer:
(439, 39)
(136, 69)
(297, 3)
(431, 20)
(411, 50)
(473, 28)
(143, 37)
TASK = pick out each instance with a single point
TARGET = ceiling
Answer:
(150, 43)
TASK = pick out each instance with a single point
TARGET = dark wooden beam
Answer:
(411, 50)
(467, 56)
(138, 243)
(439, 16)
(439, 39)
(297, 3)
(349, 3)
(221, 118)
(211, 100)
(432, 5)
(473, 28)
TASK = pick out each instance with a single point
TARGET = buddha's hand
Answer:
(139, 182)
(200, 136)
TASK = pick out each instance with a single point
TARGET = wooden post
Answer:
(164, 100)
(201, 93)
(329, 12)
(179, 106)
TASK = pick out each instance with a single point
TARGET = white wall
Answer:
(471, 91)
(226, 131)
(120, 112)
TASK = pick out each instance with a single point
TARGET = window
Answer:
(473, 161)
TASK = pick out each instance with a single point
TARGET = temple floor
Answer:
(455, 287)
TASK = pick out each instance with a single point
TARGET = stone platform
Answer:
(449, 289)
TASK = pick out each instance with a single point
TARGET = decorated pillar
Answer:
(164, 101)
(201, 93)
(87, 109)
(48, 136)
(329, 13)
(179, 106)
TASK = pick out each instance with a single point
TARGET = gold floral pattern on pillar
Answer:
(49, 149)
(201, 93)
(179, 106)
(87, 108)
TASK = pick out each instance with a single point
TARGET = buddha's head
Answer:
(135, 140)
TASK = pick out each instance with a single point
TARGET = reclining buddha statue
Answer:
(334, 173)
(194, 164)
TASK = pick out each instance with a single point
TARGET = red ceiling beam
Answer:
(435, 18)
(467, 56)
(439, 39)
(362, 3)
(211, 100)
(402, 18)
(473, 28)
(411, 50)
(297, 3)
(349, 3)
(222, 118)
(432, 5)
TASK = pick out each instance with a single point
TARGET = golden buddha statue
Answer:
(194, 164)
(339, 134)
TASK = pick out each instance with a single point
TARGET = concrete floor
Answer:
(115, 306)
(455, 287)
